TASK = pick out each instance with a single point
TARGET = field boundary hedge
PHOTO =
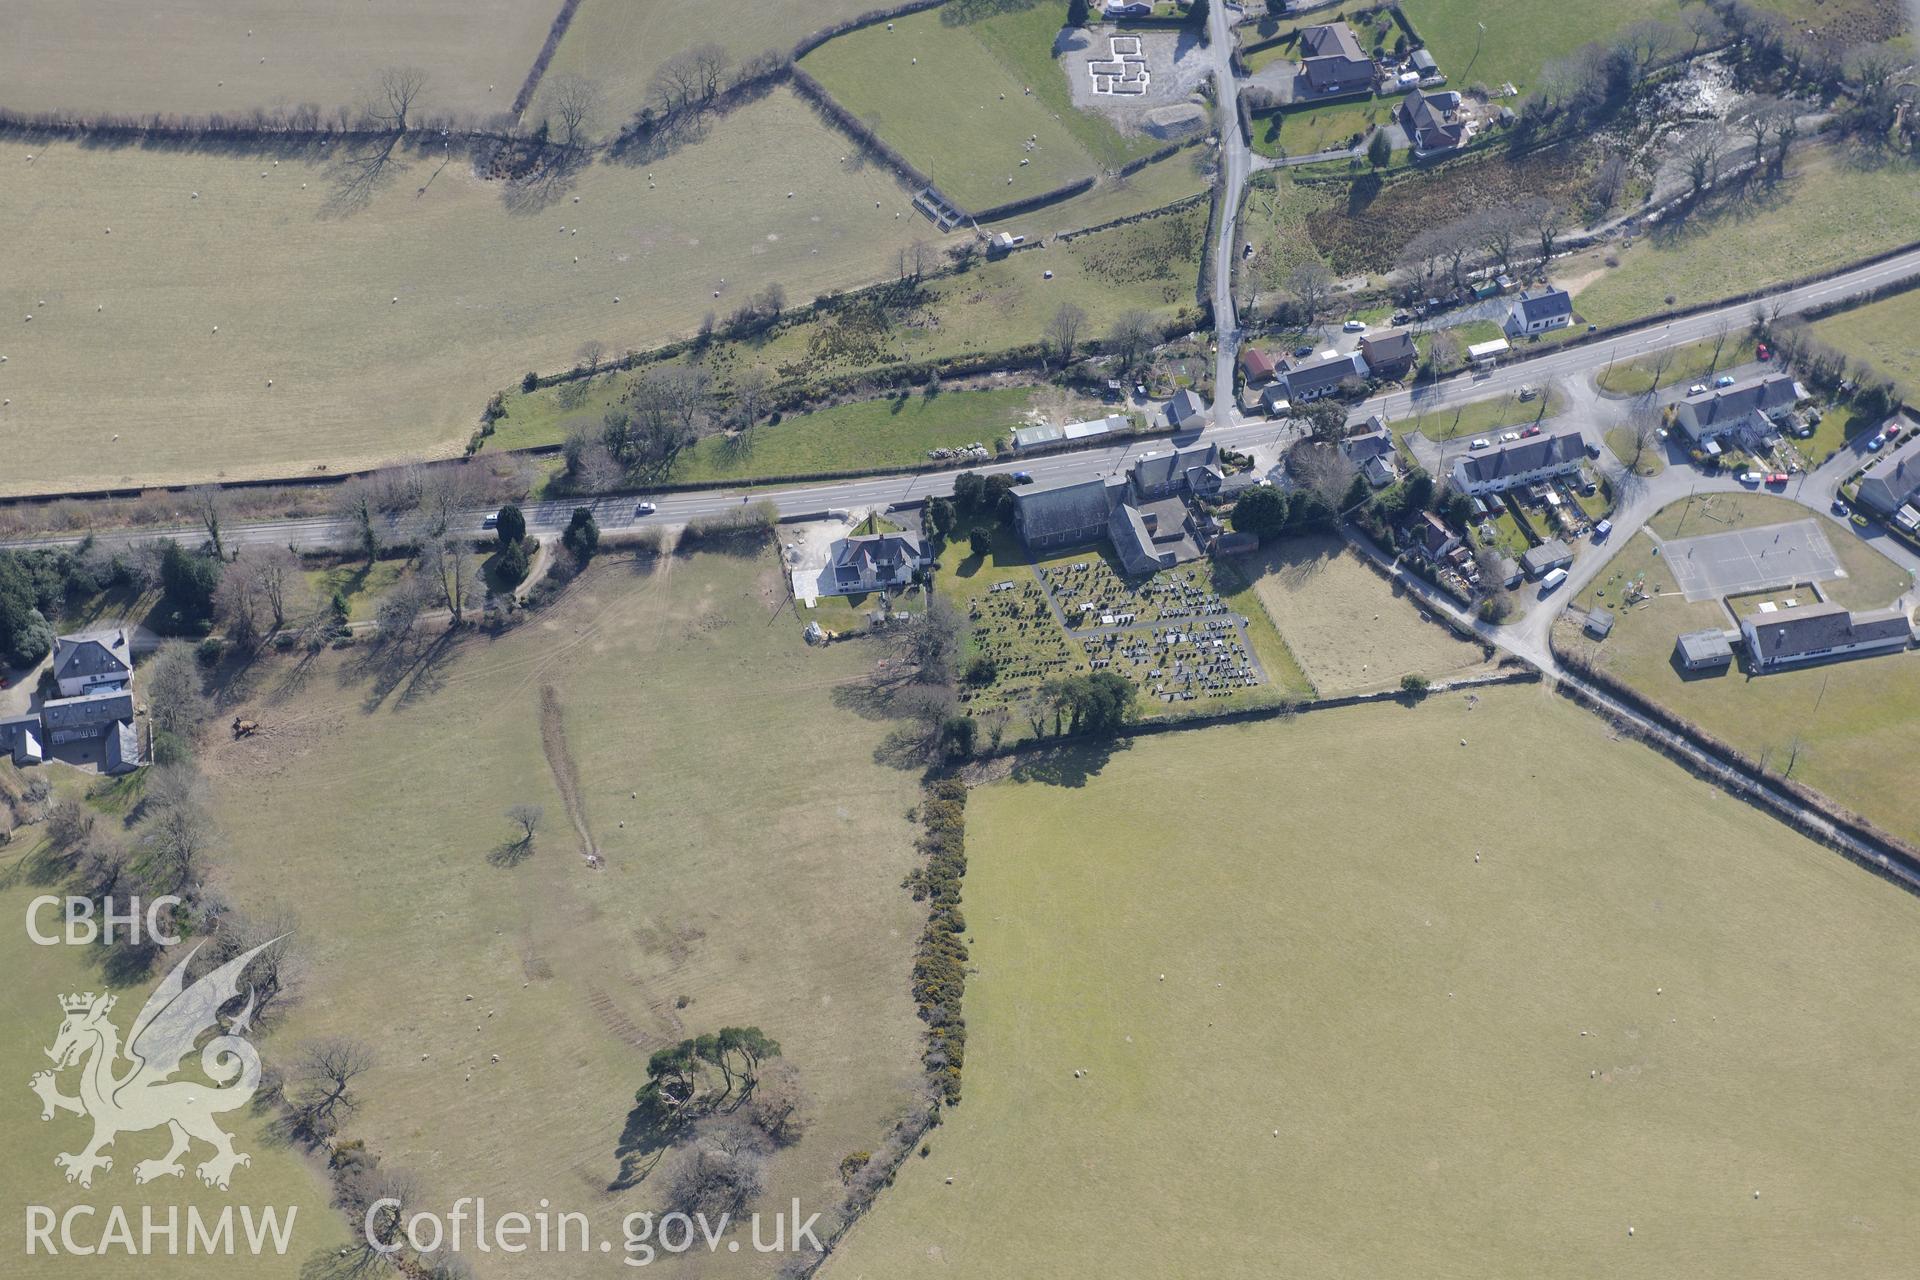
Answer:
(557, 32)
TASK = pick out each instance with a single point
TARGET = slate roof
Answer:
(20, 735)
(1434, 119)
(1185, 406)
(1535, 305)
(88, 711)
(1720, 408)
(1059, 508)
(1807, 629)
(1889, 485)
(1158, 473)
(1393, 347)
(92, 653)
(1523, 456)
(122, 749)
(1330, 56)
(1368, 444)
(887, 550)
(1314, 377)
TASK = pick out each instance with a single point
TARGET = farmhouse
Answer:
(1545, 558)
(1753, 405)
(90, 659)
(1389, 354)
(1332, 61)
(1893, 483)
(1539, 311)
(877, 561)
(1814, 632)
(1523, 462)
(94, 674)
(1434, 122)
(1146, 513)
(1323, 377)
(1703, 650)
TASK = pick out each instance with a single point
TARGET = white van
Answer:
(1551, 582)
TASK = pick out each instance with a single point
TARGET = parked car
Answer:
(490, 521)
(1023, 477)
(1874, 443)
(1892, 432)
(1354, 326)
(1593, 450)
(644, 508)
(1301, 353)
(1481, 443)
(1529, 432)
(1749, 477)
(1724, 380)
(1551, 583)
(1510, 436)
(1247, 251)
(1839, 507)
(1697, 389)
(1776, 478)
(1526, 393)
(1761, 351)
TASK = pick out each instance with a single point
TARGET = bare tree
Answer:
(1704, 25)
(1608, 180)
(1499, 229)
(179, 829)
(777, 1106)
(358, 507)
(1131, 335)
(400, 609)
(721, 1171)
(1063, 332)
(1321, 469)
(324, 1075)
(1701, 151)
(573, 102)
(176, 702)
(395, 94)
(526, 817)
(1545, 220)
(749, 398)
(1310, 285)
(209, 507)
(1647, 41)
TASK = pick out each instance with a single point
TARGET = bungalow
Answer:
(1813, 632)
(1332, 61)
(1390, 354)
(1542, 560)
(876, 562)
(1323, 377)
(1186, 410)
(1539, 311)
(1893, 484)
(1754, 404)
(1434, 122)
(91, 659)
(1523, 462)
(1258, 367)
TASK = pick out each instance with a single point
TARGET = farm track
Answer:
(566, 775)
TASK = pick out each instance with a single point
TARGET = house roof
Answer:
(1388, 348)
(1894, 481)
(1331, 40)
(92, 653)
(1698, 647)
(1321, 374)
(1184, 405)
(1563, 448)
(1068, 506)
(1158, 471)
(1535, 305)
(88, 711)
(1379, 470)
(1256, 363)
(1434, 114)
(1423, 60)
(1722, 407)
(1368, 444)
(20, 735)
(1812, 628)
(881, 550)
(1547, 555)
(122, 748)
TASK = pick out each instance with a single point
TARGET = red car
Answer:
(1760, 352)
(1777, 477)
(1530, 431)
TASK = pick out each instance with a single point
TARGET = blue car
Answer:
(1023, 477)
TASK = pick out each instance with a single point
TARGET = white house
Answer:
(1539, 311)
(1752, 405)
(89, 659)
(875, 561)
(1813, 632)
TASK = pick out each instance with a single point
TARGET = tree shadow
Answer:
(410, 666)
(551, 177)
(649, 1133)
(358, 173)
(510, 853)
(1071, 764)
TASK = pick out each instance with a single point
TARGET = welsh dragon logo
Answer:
(126, 1093)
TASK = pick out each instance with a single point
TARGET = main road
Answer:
(1235, 160)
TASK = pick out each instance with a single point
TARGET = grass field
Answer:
(199, 57)
(1155, 186)
(1151, 265)
(896, 431)
(1348, 628)
(620, 44)
(358, 584)
(948, 102)
(1848, 718)
(1366, 1055)
(1689, 363)
(1307, 130)
(1827, 214)
(1495, 413)
(29, 1009)
(753, 855)
(1495, 42)
(124, 342)
(1880, 335)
